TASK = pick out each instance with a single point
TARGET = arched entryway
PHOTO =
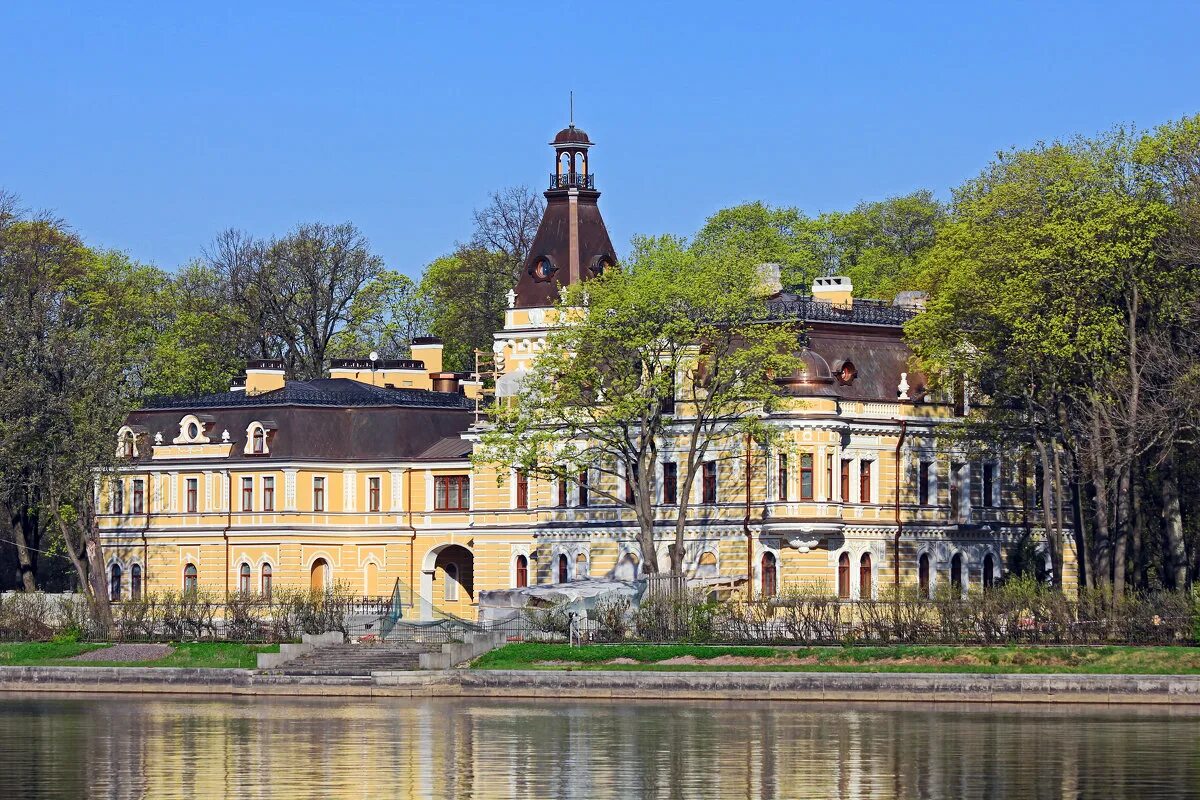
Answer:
(448, 581)
(319, 575)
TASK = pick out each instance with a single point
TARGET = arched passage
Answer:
(447, 581)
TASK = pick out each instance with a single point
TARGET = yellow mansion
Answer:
(365, 477)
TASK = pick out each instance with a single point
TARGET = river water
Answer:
(165, 747)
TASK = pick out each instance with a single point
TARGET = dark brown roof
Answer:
(571, 135)
(553, 239)
(452, 447)
(326, 419)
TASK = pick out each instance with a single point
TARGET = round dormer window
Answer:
(847, 373)
(193, 430)
(543, 269)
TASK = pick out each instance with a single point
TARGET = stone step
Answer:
(349, 660)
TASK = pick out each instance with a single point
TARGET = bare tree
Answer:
(508, 223)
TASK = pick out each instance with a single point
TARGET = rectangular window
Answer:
(709, 487)
(989, 481)
(522, 489)
(806, 476)
(139, 496)
(562, 491)
(318, 494)
(191, 495)
(668, 401)
(923, 482)
(670, 483)
(583, 489)
(247, 494)
(118, 497)
(452, 492)
(631, 471)
(373, 499)
(269, 493)
(955, 489)
(845, 480)
(1038, 480)
(829, 477)
(783, 477)
(864, 481)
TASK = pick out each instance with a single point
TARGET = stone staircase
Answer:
(355, 659)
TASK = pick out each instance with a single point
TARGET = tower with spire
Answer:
(572, 242)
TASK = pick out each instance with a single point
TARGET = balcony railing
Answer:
(573, 181)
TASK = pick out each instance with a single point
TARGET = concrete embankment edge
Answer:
(623, 685)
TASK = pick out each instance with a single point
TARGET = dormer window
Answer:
(192, 429)
(258, 437)
(847, 373)
(127, 446)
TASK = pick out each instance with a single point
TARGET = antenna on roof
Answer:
(571, 118)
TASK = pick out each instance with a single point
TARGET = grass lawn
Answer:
(899, 658)
(186, 654)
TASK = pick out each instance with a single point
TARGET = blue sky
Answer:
(152, 127)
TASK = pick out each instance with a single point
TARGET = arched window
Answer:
(923, 574)
(956, 576)
(189, 578)
(844, 576)
(707, 566)
(371, 579)
(266, 580)
(450, 593)
(135, 582)
(260, 441)
(114, 583)
(563, 568)
(522, 571)
(989, 571)
(581, 566)
(770, 576)
(244, 578)
(864, 577)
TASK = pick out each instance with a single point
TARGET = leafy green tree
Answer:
(667, 358)
(467, 291)
(76, 329)
(760, 234)
(879, 244)
(1046, 285)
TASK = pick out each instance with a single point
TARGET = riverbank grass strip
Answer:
(900, 658)
(221, 655)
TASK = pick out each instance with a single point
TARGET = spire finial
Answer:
(572, 115)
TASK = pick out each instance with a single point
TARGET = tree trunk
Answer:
(1124, 517)
(1136, 559)
(1173, 522)
(1078, 521)
(1053, 540)
(1099, 475)
(20, 523)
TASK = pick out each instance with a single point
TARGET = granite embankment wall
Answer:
(770, 686)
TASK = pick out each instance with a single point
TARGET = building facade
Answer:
(365, 478)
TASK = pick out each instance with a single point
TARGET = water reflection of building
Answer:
(127, 747)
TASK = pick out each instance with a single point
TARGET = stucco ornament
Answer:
(225, 436)
(158, 438)
(802, 542)
(902, 389)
